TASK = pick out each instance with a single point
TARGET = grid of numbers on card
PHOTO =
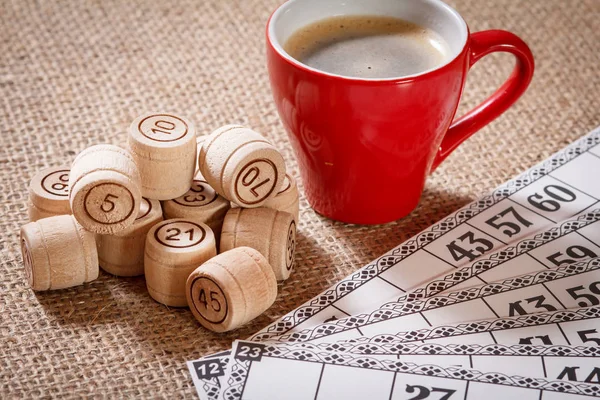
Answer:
(569, 286)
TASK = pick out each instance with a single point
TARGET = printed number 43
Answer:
(458, 252)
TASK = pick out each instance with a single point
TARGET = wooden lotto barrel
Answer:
(49, 193)
(58, 253)
(271, 232)
(231, 289)
(164, 148)
(122, 253)
(174, 248)
(241, 165)
(105, 189)
(199, 204)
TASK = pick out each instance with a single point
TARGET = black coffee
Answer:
(368, 47)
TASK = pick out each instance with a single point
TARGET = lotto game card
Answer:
(260, 371)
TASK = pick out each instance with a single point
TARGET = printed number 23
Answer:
(423, 392)
(458, 252)
(252, 352)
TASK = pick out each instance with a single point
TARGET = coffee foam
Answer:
(368, 47)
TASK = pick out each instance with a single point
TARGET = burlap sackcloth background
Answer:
(75, 73)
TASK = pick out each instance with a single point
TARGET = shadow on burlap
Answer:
(76, 74)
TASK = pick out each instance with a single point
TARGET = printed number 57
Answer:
(509, 228)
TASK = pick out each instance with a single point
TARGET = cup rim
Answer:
(278, 48)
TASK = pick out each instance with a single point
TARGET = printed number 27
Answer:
(458, 252)
(423, 392)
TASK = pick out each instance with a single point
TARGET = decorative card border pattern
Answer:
(392, 348)
(376, 267)
(212, 386)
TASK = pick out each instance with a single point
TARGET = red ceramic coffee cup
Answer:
(366, 146)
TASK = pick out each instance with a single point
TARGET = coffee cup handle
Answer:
(482, 44)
